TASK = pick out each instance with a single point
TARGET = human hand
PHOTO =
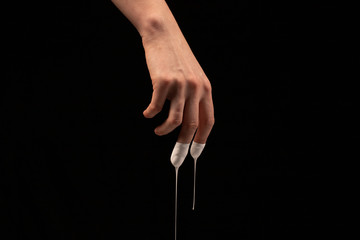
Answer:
(175, 73)
(177, 76)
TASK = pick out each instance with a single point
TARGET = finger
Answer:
(157, 101)
(190, 121)
(206, 120)
(175, 116)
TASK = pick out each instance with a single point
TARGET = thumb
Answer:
(156, 104)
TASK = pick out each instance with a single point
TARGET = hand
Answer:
(175, 73)
(177, 76)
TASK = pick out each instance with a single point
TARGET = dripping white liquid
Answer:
(176, 188)
(195, 151)
(193, 207)
(178, 156)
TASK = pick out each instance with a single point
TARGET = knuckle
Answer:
(207, 87)
(175, 122)
(166, 81)
(209, 122)
(178, 109)
(174, 82)
(193, 83)
(180, 84)
(192, 125)
(156, 107)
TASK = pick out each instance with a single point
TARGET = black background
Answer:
(79, 160)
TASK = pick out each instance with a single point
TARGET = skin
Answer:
(175, 73)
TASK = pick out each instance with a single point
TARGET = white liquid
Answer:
(176, 187)
(193, 207)
(195, 151)
(178, 156)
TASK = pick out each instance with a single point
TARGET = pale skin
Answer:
(175, 73)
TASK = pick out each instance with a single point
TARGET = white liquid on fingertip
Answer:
(177, 158)
(179, 153)
(195, 151)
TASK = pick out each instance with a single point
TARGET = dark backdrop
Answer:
(79, 161)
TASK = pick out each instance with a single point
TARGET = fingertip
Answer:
(147, 114)
(157, 132)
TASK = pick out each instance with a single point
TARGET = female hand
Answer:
(177, 76)
(175, 73)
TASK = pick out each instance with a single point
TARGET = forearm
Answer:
(150, 17)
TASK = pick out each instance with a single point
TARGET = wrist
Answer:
(150, 18)
(151, 26)
(158, 26)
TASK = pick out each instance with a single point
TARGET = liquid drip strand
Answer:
(176, 187)
(193, 207)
